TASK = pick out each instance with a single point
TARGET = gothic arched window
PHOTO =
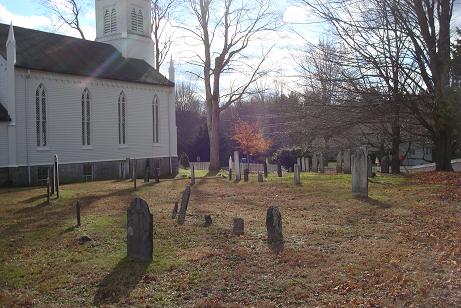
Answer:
(155, 119)
(113, 20)
(106, 22)
(134, 20)
(86, 140)
(122, 118)
(40, 115)
(140, 22)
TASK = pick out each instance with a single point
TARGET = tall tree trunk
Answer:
(443, 150)
(213, 132)
(395, 161)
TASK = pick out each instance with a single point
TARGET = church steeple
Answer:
(125, 24)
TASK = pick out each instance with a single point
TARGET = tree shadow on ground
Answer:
(377, 203)
(118, 285)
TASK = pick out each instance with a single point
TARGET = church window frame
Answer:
(41, 115)
(122, 127)
(113, 20)
(134, 20)
(155, 120)
(107, 28)
(86, 117)
(140, 22)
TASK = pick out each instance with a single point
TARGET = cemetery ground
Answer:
(402, 246)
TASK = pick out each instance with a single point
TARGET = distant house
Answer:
(415, 154)
(94, 104)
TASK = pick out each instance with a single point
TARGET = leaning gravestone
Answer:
(296, 175)
(347, 161)
(174, 212)
(238, 175)
(321, 163)
(339, 163)
(359, 173)
(279, 170)
(184, 204)
(239, 226)
(274, 225)
(139, 231)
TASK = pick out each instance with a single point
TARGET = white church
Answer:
(93, 104)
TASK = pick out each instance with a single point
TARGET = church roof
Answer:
(56, 53)
(4, 116)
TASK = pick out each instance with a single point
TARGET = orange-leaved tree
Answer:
(250, 138)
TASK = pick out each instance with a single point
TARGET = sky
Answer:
(286, 45)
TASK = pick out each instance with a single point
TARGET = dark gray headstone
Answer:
(208, 220)
(339, 163)
(246, 175)
(279, 170)
(184, 204)
(274, 225)
(360, 172)
(321, 163)
(77, 212)
(260, 177)
(315, 163)
(139, 231)
(347, 161)
(239, 226)
(175, 211)
(266, 173)
(296, 175)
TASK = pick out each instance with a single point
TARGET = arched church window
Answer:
(113, 20)
(140, 22)
(40, 115)
(122, 118)
(106, 22)
(155, 119)
(86, 139)
(134, 20)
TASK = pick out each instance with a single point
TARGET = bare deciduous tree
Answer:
(68, 12)
(224, 30)
(161, 11)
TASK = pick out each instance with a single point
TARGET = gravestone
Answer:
(56, 175)
(298, 161)
(246, 175)
(339, 163)
(266, 174)
(296, 175)
(230, 168)
(208, 220)
(139, 231)
(77, 212)
(385, 164)
(192, 175)
(315, 164)
(321, 163)
(279, 170)
(260, 177)
(146, 172)
(175, 211)
(238, 176)
(360, 172)
(184, 204)
(239, 226)
(347, 161)
(274, 225)
(230, 174)
(308, 169)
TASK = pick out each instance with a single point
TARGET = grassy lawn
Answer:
(400, 247)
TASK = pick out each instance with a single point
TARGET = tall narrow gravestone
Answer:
(230, 168)
(279, 170)
(296, 175)
(266, 173)
(238, 176)
(140, 231)
(298, 161)
(315, 164)
(339, 163)
(192, 175)
(184, 204)
(274, 225)
(360, 173)
(347, 161)
(321, 163)
(308, 169)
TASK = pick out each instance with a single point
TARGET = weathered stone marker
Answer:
(246, 175)
(296, 175)
(359, 173)
(274, 225)
(347, 161)
(139, 231)
(238, 176)
(321, 163)
(56, 175)
(260, 177)
(239, 226)
(308, 169)
(184, 204)
(298, 161)
(192, 175)
(208, 220)
(279, 170)
(77, 212)
(230, 168)
(175, 211)
(266, 173)
(315, 164)
(339, 163)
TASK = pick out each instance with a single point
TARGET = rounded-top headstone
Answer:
(239, 226)
(139, 231)
(274, 225)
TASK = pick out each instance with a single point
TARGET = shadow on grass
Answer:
(118, 285)
(377, 203)
(33, 208)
